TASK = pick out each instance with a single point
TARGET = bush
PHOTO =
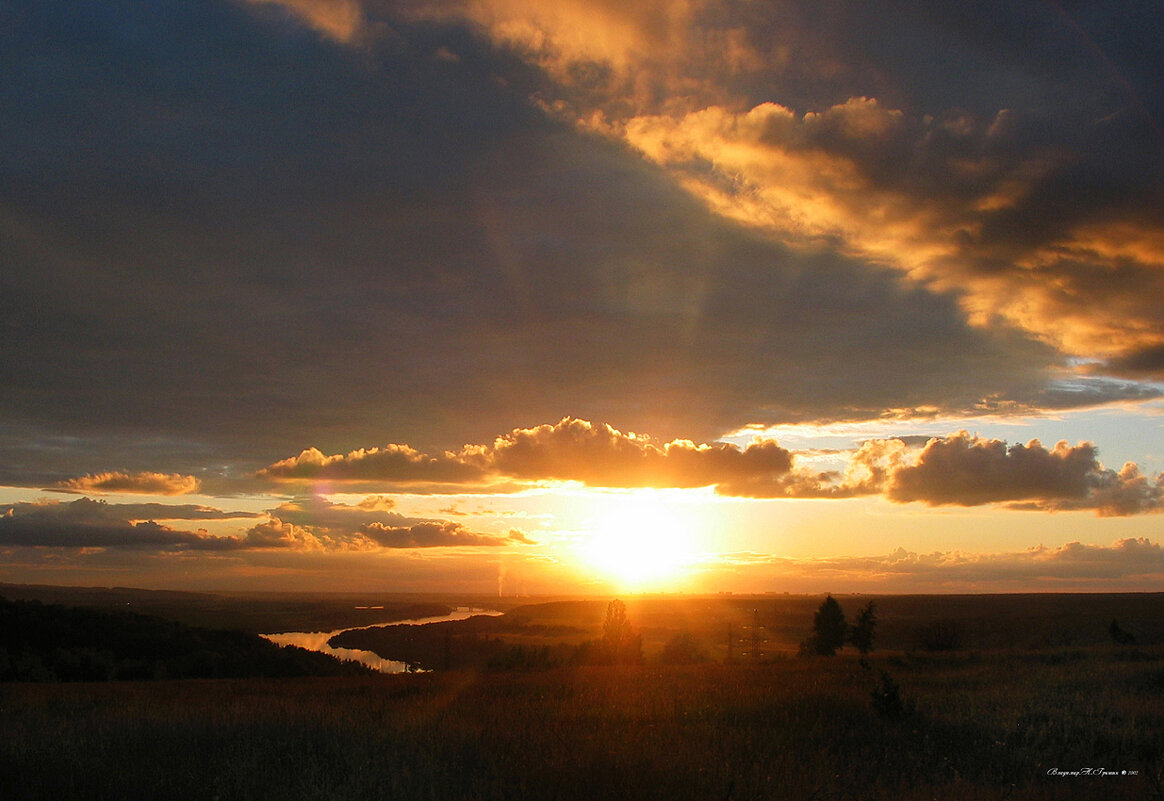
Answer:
(887, 701)
(942, 635)
(1119, 636)
(682, 649)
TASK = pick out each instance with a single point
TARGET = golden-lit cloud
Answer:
(137, 483)
(969, 201)
(563, 37)
(571, 450)
(941, 218)
(601, 456)
(275, 533)
(958, 469)
(867, 471)
(392, 463)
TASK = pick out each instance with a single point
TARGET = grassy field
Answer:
(965, 725)
(1032, 698)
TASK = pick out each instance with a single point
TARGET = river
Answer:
(317, 640)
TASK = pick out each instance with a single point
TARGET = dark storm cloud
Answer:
(227, 231)
(89, 510)
(319, 513)
(94, 524)
(965, 470)
(428, 535)
(315, 522)
(962, 469)
(1142, 362)
(374, 519)
(86, 523)
(1007, 150)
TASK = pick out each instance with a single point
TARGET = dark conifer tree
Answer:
(829, 627)
(861, 633)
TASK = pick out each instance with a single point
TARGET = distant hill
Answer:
(46, 642)
(257, 613)
(727, 627)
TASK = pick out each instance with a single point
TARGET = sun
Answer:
(641, 540)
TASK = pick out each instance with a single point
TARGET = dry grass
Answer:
(985, 726)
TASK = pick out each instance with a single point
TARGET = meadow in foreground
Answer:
(987, 725)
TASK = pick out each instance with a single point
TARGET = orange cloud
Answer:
(958, 469)
(392, 463)
(137, 483)
(563, 35)
(570, 450)
(1074, 564)
(965, 202)
(276, 534)
(866, 473)
(599, 455)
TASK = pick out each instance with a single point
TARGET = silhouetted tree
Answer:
(861, 633)
(616, 626)
(828, 628)
(620, 643)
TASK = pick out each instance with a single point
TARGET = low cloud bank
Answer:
(960, 469)
(324, 526)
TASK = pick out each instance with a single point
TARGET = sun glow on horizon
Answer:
(642, 540)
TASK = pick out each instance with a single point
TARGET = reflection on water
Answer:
(317, 640)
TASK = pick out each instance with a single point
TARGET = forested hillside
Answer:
(45, 642)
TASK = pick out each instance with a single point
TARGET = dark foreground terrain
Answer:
(51, 643)
(964, 697)
(950, 726)
(255, 613)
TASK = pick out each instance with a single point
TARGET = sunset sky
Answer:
(585, 296)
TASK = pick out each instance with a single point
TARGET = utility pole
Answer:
(755, 635)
